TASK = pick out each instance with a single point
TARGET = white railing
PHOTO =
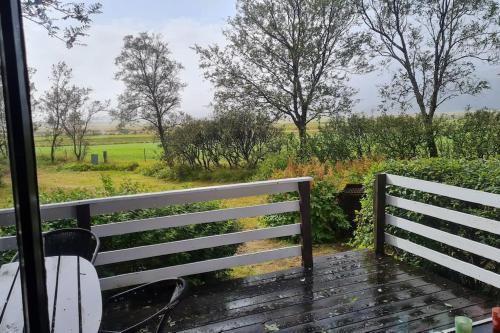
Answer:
(83, 210)
(382, 200)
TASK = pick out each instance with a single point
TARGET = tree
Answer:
(4, 149)
(246, 136)
(78, 119)
(76, 16)
(4, 144)
(435, 46)
(287, 57)
(152, 84)
(57, 102)
(195, 142)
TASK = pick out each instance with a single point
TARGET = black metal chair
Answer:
(70, 242)
(137, 308)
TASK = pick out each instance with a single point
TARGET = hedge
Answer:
(483, 175)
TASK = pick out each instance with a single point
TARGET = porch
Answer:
(353, 291)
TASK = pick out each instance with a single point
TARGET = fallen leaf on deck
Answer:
(271, 327)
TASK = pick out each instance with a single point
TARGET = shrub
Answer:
(80, 167)
(186, 173)
(475, 135)
(481, 175)
(327, 218)
(2, 171)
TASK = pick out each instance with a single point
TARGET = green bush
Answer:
(328, 220)
(483, 175)
(141, 238)
(475, 135)
(80, 167)
(183, 172)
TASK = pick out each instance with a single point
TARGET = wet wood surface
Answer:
(352, 291)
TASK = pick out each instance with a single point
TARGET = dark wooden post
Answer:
(83, 216)
(379, 212)
(305, 226)
(16, 95)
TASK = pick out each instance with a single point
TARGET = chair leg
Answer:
(161, 324)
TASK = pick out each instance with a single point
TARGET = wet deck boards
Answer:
(348, 292)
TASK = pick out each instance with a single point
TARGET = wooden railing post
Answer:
(83, 216)
(305, 227)
(379, 212)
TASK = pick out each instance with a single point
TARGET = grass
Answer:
(120, 152)
(43, 141)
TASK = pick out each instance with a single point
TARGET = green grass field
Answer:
(43, 141)
(119, 152)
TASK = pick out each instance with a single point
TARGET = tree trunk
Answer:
(429, 137)
(53, 149)
(163, 139)
(303, 141)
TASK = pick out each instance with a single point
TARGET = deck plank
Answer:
(354, 291)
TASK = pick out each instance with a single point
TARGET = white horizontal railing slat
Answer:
(8, 243)
(121, 228)
(211, 265)
(468, 220)
(160, 199)
(480, 249)
(444, 260)
(192, 244)
(193, 195)
(460, 193)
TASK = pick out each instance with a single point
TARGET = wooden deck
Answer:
(348, 292)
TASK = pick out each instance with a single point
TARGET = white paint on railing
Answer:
(120, 228)
(160, 199)
(472, 221)
(462, 243)
(193, 244)
(453, 216)
(455, 192)
(460, 266)
(211, 265)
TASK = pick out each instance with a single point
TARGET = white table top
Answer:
(73, 292)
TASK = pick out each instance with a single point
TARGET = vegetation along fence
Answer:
(382, 200)
(83, 210)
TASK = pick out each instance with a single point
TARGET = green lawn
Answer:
(42, 141)
(125, 152)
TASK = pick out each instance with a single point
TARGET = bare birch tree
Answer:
(435, 46)
(152, 84)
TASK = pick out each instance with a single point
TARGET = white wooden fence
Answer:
(382, 199)
(83, 210)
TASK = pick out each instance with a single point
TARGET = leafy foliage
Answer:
(327, 218)
(289, 58)
(474, 134)
(79, 167)
(76, 16)
(152, 84)
(234, 138)
(481, 175)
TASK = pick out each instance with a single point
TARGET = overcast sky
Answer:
(182, 24)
